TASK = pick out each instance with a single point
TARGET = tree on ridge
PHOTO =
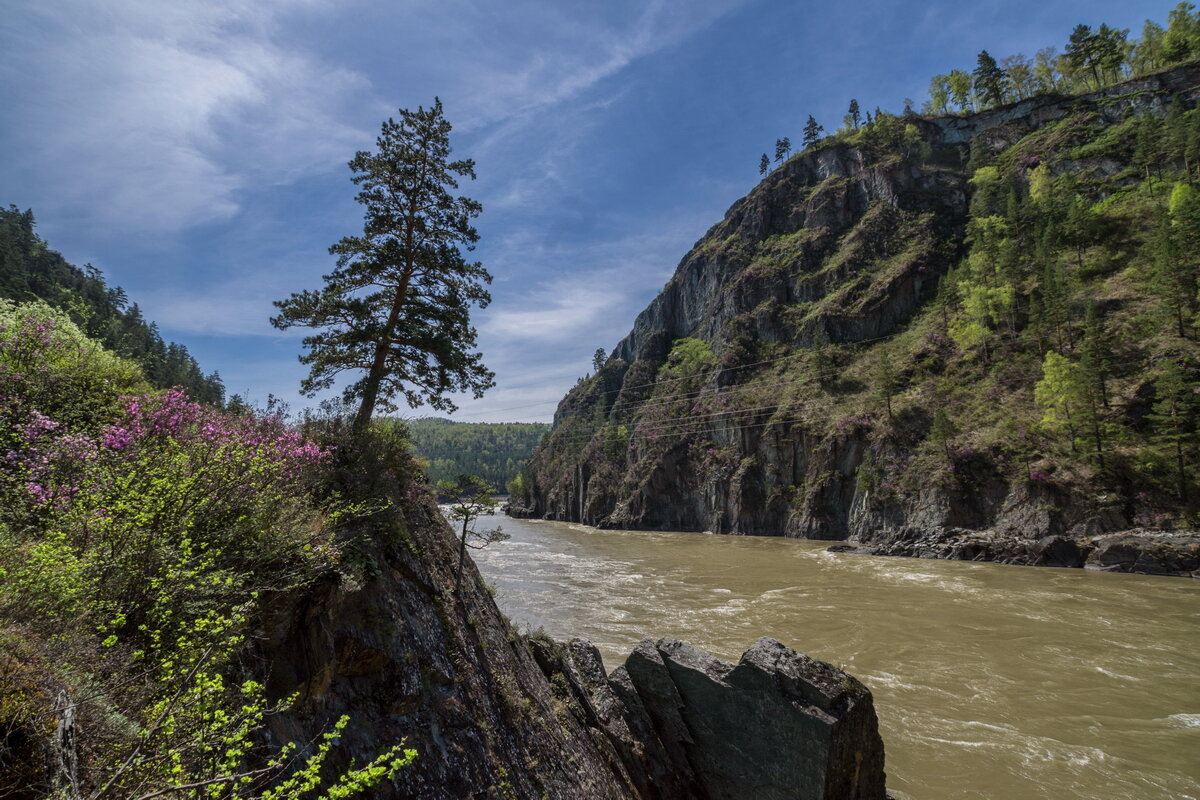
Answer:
(397, 307)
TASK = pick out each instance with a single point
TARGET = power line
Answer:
(677, 380)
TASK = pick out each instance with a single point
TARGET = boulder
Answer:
(776, 725)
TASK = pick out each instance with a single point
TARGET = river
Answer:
(990, 681)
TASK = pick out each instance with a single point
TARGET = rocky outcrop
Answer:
(392, 647)
(686, 725)
(1145, 552)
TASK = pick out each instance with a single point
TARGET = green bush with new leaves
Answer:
(138, 530)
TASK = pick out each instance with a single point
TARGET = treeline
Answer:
(29, 271)
(494, 451)
(1091, 59)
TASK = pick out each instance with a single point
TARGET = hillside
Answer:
(30, 270)
(494, 451)
(955, 336)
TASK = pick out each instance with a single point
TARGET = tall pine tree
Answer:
(396, 309)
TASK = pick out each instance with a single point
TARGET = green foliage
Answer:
(494, 451)
(30, 271)
(397, 307)
(1174, 418)
(55, 368)
(689, 357)
(991, 82)
(470, 497)
(136, 534)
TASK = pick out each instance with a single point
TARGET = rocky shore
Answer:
(1146, 552)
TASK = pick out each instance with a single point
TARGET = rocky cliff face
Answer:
(832, 259)
(686, 725)
(402, 656)
(495, 714)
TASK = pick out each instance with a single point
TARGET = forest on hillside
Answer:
(30, 270)
(494, 451)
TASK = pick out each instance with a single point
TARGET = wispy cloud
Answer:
(152, 116)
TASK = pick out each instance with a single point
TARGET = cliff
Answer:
(493, 713)
(789, 378)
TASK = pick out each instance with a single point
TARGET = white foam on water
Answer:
(1184, 720)
(1112, 674)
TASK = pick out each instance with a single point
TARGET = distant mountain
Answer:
(30, 270)
(495, 451)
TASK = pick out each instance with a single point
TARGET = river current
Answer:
(996, 682)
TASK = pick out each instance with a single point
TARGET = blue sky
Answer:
(196, 152)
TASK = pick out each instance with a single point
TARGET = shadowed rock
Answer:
(776, 725)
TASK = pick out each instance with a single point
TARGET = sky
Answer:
(196, 152)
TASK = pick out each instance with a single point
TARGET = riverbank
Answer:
(1143, 552)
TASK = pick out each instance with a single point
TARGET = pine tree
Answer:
(1094, 360)
(886, 383)
(782, 148)
(764, 165)
(824, 364)
(397, 306)
(990, 80)
(812, 131)
(854, 115)
(1174, 417)
(1082, 52)
(942, 431)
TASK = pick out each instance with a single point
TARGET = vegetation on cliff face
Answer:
(918, 319)
(139, 533)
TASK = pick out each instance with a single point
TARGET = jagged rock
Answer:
(406, 660)
(1152, 553)
(776, 725)
(1057, 551)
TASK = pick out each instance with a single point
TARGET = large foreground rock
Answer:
(685, 724)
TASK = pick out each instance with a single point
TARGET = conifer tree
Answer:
(764, 165)
(854, 115)
(397, 307)
(887, 383)
(1174, 417)
(1082, 51)
(824, 365)
(782, 148)
(989, 80)
(812, 131)
(942, 431)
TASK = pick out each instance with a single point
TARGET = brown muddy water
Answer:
(990, 681)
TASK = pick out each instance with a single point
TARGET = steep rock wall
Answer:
(844, 244)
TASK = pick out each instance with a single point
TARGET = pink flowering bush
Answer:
(169, 483)
(109, 493)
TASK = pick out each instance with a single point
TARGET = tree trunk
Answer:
(462, 556)
(366, 408)
(1179, 469)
